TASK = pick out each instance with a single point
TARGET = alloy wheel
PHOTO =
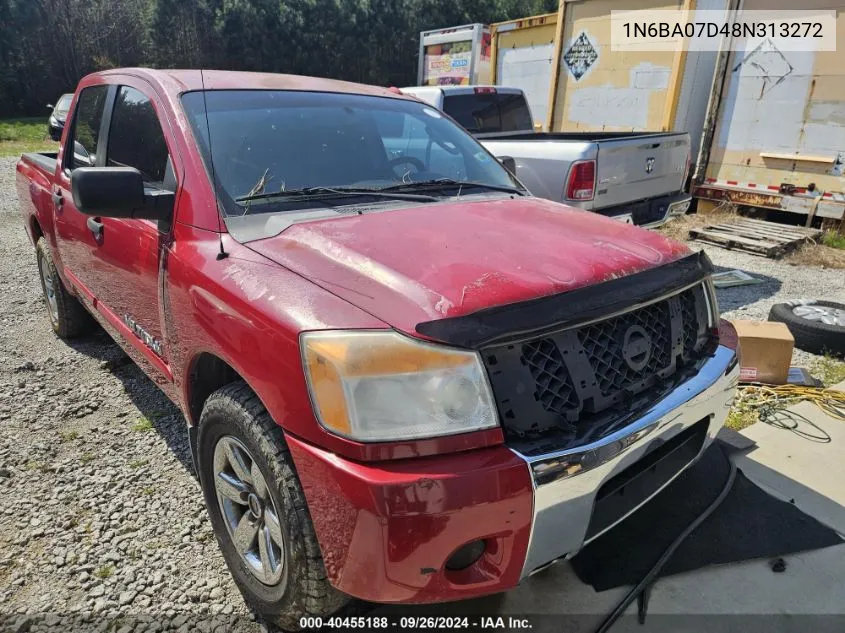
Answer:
(249, 511)
(48, 284)
(823, 314)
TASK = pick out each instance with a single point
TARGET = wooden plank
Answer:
(774, 228)
(810, 232)
(734, 239)
(730, 246)
(754, 236)
(726, 228)
(784, 230)
(758, 237)
(774, 241)
(743, 230)
(761, 232)
(792, 235)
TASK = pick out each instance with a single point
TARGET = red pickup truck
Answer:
(404, 378)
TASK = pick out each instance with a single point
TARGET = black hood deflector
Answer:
(530, 318)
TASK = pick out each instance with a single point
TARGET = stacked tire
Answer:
(817, 326)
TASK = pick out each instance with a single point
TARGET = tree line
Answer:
(46, 46)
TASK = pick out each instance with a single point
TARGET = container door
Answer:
(782, 117)
(599, 89)
(525, 60)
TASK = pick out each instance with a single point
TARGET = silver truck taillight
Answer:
(581, 181)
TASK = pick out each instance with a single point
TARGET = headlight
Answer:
(53, 121)
(382, 386)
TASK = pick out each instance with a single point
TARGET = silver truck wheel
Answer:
(826, 314)
(48, 286)
(818, 326)
(67, 316)
(258, 510)
(248, 510)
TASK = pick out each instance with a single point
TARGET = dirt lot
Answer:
(99, 512)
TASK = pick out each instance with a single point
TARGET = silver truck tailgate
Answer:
(640, 167)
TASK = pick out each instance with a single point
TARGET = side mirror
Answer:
(118, 192)
(508, 163)
(80, 154)
(50, 105)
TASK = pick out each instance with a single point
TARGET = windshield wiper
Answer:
(318, 193)
(442, 183)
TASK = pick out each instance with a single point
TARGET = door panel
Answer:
(76, 243)
(116, 262)
(126, 274)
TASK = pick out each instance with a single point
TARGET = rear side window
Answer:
(135, 137)
(489, 112)
(86, 127)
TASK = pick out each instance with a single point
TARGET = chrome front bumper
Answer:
(566, 483)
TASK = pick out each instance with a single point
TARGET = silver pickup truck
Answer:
(636, 177)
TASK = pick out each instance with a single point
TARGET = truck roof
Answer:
(175, 82)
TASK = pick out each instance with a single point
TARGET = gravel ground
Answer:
(101, 521)
(781, 282)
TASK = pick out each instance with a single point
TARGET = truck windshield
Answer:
(489, 112)
(268, 146)
(63, 104)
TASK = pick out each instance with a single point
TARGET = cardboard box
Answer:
(765, 351)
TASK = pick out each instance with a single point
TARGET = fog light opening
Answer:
(466, 556)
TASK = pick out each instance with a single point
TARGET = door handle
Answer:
(96, 227)
(57, 198)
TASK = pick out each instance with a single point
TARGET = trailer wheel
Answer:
(817, 326)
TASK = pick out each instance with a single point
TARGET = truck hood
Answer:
(450, 259)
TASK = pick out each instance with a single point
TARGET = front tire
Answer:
(68, 317)
(258, 511)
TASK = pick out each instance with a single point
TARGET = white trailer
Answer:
(456, 56)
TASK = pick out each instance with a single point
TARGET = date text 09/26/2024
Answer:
(416, 623)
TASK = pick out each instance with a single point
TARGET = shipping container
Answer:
(778, 126)
(523, 57)
(598, 89)
(456, 56)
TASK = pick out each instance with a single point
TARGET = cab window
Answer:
(136, 138)
(86, 126)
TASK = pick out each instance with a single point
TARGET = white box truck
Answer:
(456, 56)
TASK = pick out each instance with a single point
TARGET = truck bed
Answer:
(34, 183)
(43, 160)
(631, 167)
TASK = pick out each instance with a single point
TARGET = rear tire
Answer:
(233, 420)
(68, 317)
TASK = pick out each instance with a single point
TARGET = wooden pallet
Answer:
(768, 239)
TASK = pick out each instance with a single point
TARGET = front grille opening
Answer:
(553, 384)
(604, 345)
(625, 491)
(575, 386)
